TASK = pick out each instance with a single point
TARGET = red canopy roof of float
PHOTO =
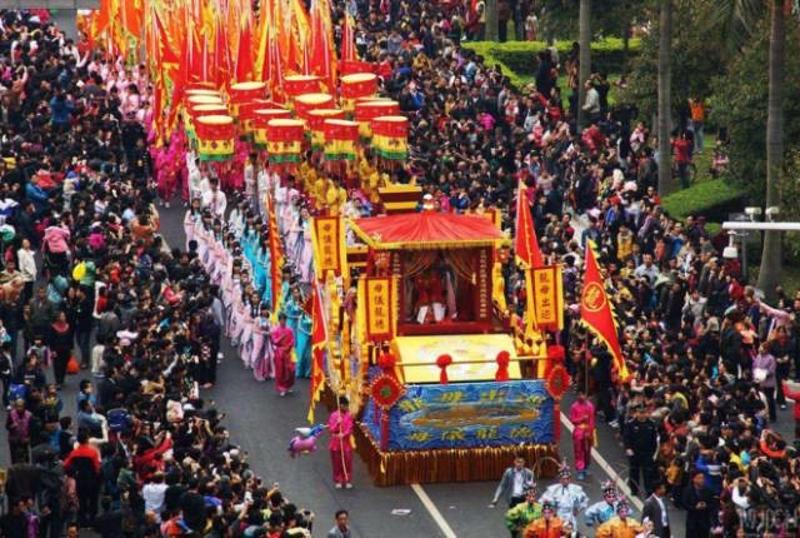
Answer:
(427, 230)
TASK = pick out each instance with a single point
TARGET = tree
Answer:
(771, 259)
(490, 30)
(666, 180)
(585, 39)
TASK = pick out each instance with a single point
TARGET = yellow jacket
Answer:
(616, 528)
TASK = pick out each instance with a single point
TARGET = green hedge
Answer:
(713, 199)
(518, 57)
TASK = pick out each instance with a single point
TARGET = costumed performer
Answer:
(283, 345)
(620, 526)
(581, 414)
(569, 499)
(340, 427)
(520, 516)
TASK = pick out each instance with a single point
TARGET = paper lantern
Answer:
(341, 138)
(358, 85)
(316, 121)
(390, 137)
(261, 119)
(295, 85)
(367, 110)
(285, 140)
(242, 92)
(215, 137)
(309, 101)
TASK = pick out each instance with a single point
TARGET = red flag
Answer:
(244, 58)
(319, 338)
(322, 61)
(526, 245)
(596, 311)
(349, 52)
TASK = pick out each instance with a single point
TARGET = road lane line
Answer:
(603, 464)
(433, 511)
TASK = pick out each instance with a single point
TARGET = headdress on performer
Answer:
(530, 488)
(622, 506)
(548, 505)
(609, 489)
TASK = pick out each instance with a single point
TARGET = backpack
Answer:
(119, 420)
(17, 391)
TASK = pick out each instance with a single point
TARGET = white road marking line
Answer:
(433, 511)
(603, 464)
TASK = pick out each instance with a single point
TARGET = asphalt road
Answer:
(262, 423)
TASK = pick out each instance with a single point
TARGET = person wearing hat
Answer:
(547, 526)
(620, 526)
(604, 510)
(568, 499)
(521, 515)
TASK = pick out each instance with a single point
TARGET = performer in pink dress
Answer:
(340, 428)
(581, 414)
(263, 358)
(283, 344)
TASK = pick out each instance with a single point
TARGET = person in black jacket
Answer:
(697, 500)
(641, 443)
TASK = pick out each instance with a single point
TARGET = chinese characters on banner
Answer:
(548, 297)
(379, 301)
(329, 238)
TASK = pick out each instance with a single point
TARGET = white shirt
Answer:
(519, 483)
(216, 201)
(154, 498)
(27, 265)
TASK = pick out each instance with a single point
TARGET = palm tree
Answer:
(666, 181)
(735, 18)
(771, 257)
(584, 60)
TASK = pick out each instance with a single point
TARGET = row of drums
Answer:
(212, 118)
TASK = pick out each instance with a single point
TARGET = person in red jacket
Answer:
(148, 459)
(83, 463)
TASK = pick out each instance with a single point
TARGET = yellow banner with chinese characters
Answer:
(380, 299)
(329, 247)
(548, 297)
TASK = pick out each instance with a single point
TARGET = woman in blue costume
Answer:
(293, 308)
(262, 269)
(303, 346)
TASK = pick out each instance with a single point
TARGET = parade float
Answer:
(447, 384)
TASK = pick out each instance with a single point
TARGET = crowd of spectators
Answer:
(139, 451)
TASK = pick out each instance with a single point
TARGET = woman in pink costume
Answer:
(581, 414)
(340, 428)
(263, 360)
(247, 320)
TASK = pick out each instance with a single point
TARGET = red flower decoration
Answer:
(503, 358)
(443, 361)
(556, 353)
(557, 382)
(386, 391)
